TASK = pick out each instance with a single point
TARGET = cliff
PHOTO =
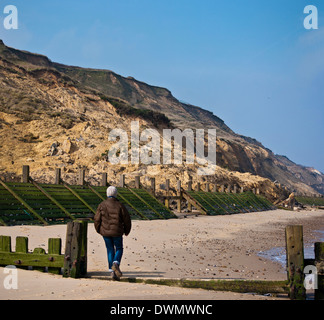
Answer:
(53, 115)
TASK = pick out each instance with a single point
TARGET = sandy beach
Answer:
(199, 247)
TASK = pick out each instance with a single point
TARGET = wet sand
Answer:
(202, 247)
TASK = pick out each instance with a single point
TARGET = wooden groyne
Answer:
(30, 202)
(73, 263)
(303, 273)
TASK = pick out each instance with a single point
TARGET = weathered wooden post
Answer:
(167, 188)
(22, 246)
(198, 186)
(103, 181)
(75, 258)
(57, 176)
(190, 183)
(54, 247)
(207, 187)
(25, 174)
(222, 188)
(215, 188)
(81, 177)
(137, 182)
(295, 262)
(153, 186)
(179, 194)
(84, 248)
(5, 244)
(228, 189)
(319, 263)
(122, 181)
(242, 189)
(235, 188)
(189, 189)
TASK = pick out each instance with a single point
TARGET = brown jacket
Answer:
(112, 219)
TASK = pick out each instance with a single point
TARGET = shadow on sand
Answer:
(133, 274)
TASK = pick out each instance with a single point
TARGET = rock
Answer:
(68, 146)
(53, 149)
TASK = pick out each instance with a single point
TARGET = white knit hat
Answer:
(112, 191)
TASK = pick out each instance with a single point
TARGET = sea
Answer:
(278, 254)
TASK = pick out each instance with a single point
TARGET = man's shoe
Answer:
(116, 269)
(114, 276)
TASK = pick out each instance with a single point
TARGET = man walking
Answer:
(112, 221)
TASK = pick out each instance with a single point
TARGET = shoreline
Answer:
(202, 247)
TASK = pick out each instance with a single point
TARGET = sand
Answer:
(199, 247)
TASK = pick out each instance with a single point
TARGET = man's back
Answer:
(112, 218)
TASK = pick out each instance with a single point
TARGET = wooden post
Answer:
(75, 259)
(242, 189)
(122, 181)
(72, 250)
(228, 189)
(190, 184)
(153, 186)
(235, 188)
(137, 182)
(257, 191)
(167, 188)
(189, 189)
(81, 177)
(57, 176)
(207, 187)
(215, 188)
(54, 247)
(253, 190)
(319, 263)
(295, 262)
(84, 248)
(5, 244)
(179, 195)
(103, 182)
(25, 174)
(198, 186)
(222, 188)
(22, 244)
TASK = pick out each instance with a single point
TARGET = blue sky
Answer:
(252, 63)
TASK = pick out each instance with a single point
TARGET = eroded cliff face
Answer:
(243, 157)
(53, 115)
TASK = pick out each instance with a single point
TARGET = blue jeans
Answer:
(114, 247)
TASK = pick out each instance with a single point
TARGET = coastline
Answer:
(202, 247)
